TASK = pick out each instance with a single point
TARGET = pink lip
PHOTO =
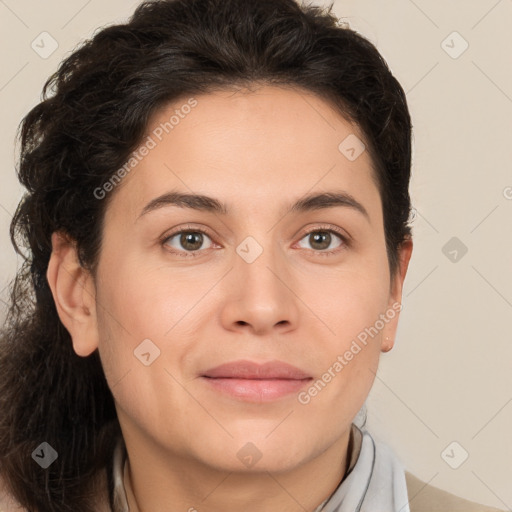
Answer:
(256, 382)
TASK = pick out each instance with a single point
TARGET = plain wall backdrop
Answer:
(443, 396)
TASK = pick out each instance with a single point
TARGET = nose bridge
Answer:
(259, 263)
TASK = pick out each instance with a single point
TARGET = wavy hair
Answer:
(93, 114)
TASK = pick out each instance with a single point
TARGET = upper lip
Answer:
(253, 370)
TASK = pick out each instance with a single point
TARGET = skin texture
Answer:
(258, 151)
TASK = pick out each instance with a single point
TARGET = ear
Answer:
(74, 294)
(395, 297)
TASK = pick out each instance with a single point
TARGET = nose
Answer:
(260, 295)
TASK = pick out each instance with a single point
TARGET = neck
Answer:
(156, 485)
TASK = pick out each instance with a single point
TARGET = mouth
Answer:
(255, 382)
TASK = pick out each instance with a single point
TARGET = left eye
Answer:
(322, 238)
(189, 240)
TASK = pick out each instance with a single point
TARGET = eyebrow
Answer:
(309, 202)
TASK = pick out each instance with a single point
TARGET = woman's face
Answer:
(254, 287)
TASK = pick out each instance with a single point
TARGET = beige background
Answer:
(449, 376)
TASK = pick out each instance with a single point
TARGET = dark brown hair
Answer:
(93, 114)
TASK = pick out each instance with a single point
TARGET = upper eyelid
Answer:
(330, 229)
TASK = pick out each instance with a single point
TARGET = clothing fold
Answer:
(375, 484)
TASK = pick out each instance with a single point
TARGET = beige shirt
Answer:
(425, 498)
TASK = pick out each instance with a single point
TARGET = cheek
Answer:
(348, 300)
(144, 316)
(144, 301)
(349, 305)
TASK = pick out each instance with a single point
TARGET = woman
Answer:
(217, 238)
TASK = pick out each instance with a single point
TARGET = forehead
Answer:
(249, 148)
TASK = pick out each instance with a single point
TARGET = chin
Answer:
(251, 460)
(257, 453)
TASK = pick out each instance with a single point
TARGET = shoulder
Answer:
(425, 498)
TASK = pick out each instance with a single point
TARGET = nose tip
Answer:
(260, 299)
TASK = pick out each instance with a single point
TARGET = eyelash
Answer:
(319, 229)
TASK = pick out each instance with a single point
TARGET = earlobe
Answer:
(73, 291)
(387, 345)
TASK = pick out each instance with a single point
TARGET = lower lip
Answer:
(256, 390)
